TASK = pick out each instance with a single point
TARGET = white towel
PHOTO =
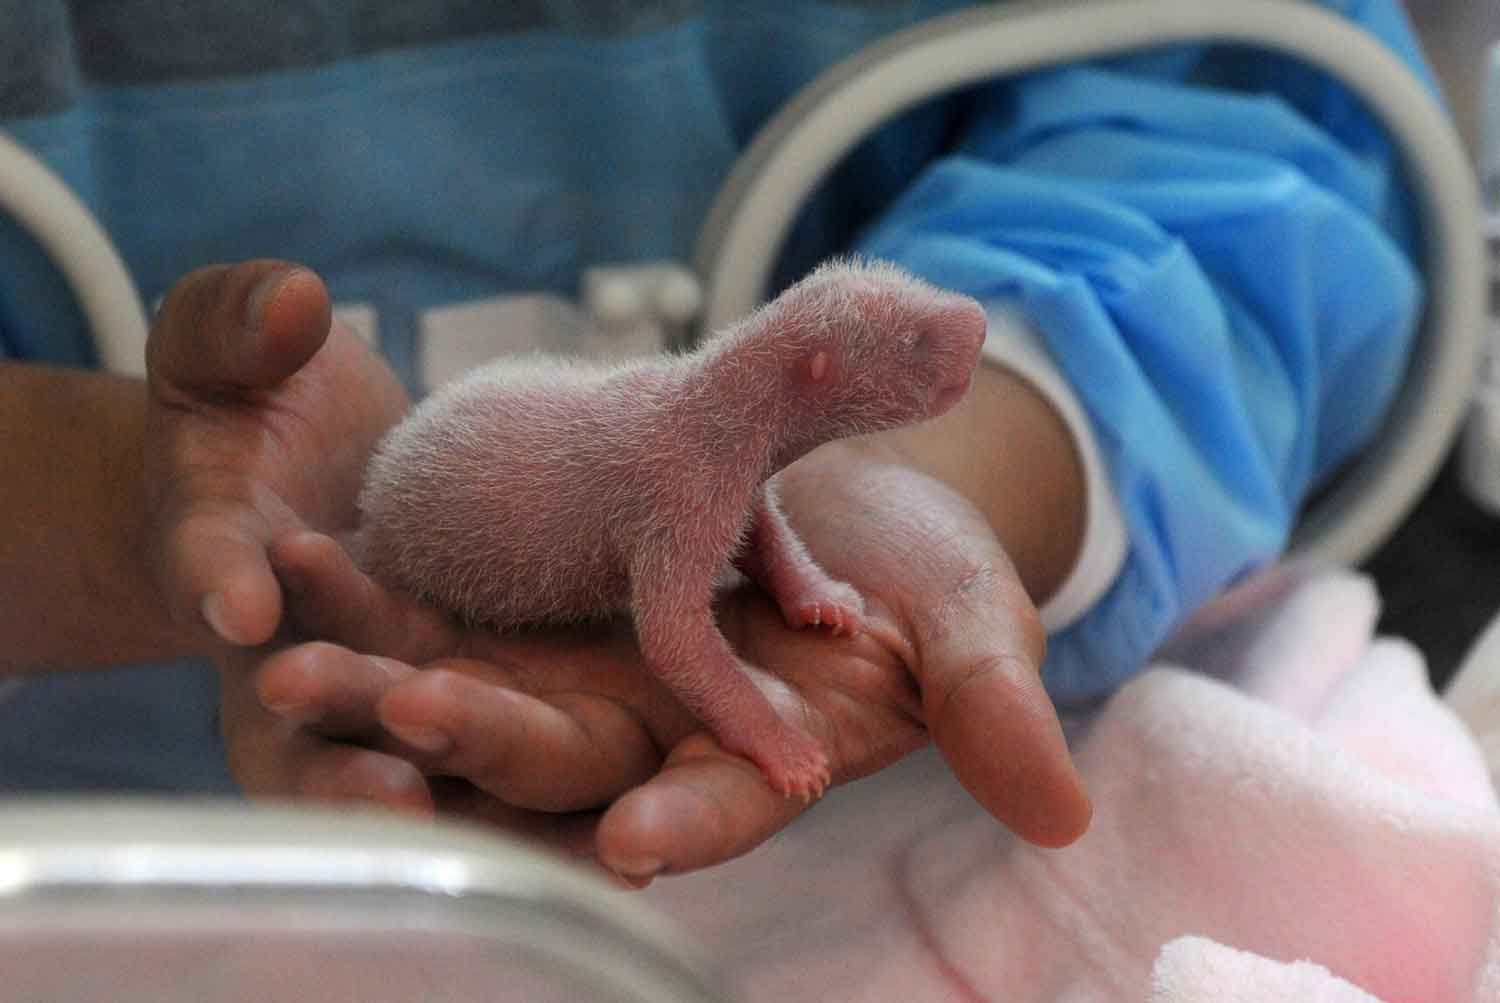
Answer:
(1191, 968)
(1297, 817)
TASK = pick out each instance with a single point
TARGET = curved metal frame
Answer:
(797, 149)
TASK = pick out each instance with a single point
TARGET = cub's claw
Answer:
(799, 772)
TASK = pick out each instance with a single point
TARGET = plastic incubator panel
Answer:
(168, 903)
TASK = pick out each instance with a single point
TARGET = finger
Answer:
(216, 572)
(570, 833)
(276, 758)
(569, 753)
(330, 597)
(226, 329)
(978, 665)
(706, 806)
(347, 774)
(331, 688)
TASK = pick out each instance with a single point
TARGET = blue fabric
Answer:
(1223, 275)
(140, 728)
(435, 174)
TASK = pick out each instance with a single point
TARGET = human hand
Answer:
(568, 737)
(261, 414)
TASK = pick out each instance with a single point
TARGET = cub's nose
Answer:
(956, 331)
(963, 321)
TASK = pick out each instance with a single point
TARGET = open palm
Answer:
(566, 735)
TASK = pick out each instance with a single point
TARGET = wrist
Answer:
(77, 589)
(1014, 343)
(1007, 450)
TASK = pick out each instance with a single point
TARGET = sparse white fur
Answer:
(549, 490)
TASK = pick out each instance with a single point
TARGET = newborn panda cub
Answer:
(548, 490)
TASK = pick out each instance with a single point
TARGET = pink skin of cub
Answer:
(547, 490)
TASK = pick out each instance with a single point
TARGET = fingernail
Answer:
(428, 740)
(263, 293)
(638, 869)
(297, 713)
(389, 667)
(633, 884)
(213, 609)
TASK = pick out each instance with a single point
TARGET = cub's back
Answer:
(502, 496)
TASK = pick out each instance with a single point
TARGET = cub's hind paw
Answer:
(836, 606)
(792, 762)
(802, 774)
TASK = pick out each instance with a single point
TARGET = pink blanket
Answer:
(1297, 817)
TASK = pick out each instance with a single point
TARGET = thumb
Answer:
(229, 328)
(979, 656)
(222, 331)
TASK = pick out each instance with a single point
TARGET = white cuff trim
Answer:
(1013, 343)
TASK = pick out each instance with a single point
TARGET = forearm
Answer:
(1006, 450)
(74, 589)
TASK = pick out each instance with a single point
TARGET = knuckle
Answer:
(188, 298)
(1011, 670)
(993, 596)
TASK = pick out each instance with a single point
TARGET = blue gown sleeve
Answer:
(1215, 249)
